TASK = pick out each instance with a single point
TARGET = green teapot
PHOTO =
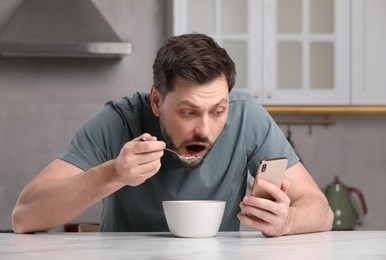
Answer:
(339, 198)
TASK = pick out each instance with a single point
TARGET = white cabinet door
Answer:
(287, 52)
(368, 52)
(234, 25)
(306, 52)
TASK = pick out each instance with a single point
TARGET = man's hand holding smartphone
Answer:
(267, 208)
(271, 170)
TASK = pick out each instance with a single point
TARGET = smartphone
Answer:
(271, 170)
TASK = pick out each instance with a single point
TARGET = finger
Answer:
(150, 157)
(151, 168)
(146, 137)
(251, 221)
(264, 208)
(256, 202)
(258, 207)
(146, 169)
(149, 146)
(276, 193)
(254, 222)
(266, 229)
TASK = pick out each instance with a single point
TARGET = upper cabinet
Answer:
(229, 22)
(305, 54)
(297, 52)
(368, 52)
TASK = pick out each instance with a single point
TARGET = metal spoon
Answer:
(187, 159)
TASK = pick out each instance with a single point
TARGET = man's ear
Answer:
(155, 101)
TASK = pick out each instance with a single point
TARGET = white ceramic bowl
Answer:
(194, 218)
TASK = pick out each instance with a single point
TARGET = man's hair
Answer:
(196, 58)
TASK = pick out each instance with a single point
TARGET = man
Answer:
(118, 155)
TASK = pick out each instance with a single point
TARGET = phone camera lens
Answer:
(264, 167)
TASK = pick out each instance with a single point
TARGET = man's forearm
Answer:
(305, 217)
(50, 203)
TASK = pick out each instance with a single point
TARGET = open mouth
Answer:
(194, 149)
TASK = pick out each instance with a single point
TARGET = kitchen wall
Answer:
(354, 149)
(43, 101)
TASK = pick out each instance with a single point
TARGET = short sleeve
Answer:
(263, 137)
(98, 140)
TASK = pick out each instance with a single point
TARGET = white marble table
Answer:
(227, 245)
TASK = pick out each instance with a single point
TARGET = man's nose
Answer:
(203, 127)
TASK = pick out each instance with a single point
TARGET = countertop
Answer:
(226, 245)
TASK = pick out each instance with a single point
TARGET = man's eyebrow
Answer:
(190, 104)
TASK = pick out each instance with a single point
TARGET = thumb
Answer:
(285, 185)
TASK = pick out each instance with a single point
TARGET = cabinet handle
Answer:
(269, 95)
(256, 94)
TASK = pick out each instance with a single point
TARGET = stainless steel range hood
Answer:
(60, 28)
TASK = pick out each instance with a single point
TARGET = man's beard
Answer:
(172, 146)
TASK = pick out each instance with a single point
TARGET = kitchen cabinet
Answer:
(297, 52)
(368, 52)
(286, 51)
(305, 52)
(229, 23)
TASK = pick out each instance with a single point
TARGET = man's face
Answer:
(192, 116)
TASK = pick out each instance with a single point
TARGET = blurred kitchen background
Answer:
(318, 65)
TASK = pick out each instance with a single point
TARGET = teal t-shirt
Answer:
(249, 136)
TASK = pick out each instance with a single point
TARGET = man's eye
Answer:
(218, 112)
(188, 113)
